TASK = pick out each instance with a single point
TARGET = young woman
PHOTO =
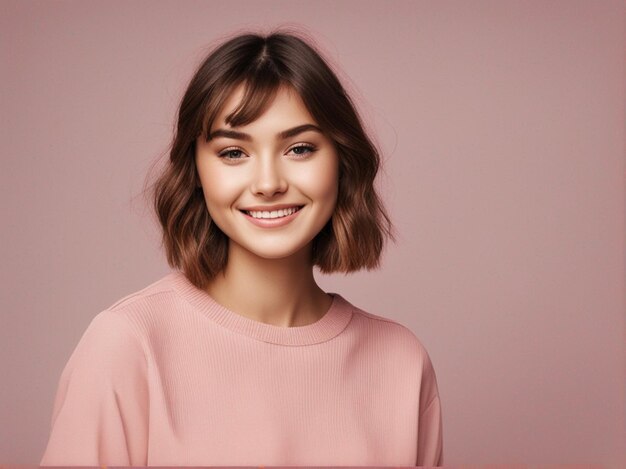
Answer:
(238, 357)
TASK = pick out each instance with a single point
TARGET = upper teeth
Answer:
(272, 214)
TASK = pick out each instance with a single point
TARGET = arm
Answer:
(100, 414)
(430, 430)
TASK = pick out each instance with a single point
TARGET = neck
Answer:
(280, 292)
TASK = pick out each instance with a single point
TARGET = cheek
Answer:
(219, 191)
(319, 187)
(217, 197)
(326, 184)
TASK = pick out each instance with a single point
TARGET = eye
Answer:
(303, 149)
(231, 154)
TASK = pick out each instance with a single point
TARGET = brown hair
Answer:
(353, 238)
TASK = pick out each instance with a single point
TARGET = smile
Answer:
(273, 214)
(272, 219)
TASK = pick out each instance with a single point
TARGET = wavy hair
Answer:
(355, 235)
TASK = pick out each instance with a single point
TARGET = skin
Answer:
(269, 275)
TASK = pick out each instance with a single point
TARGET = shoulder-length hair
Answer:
(355, 235)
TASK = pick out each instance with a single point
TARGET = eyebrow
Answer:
(280, 136)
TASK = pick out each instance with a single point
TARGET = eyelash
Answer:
(310, 149)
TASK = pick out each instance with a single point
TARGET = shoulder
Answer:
(150, 293)
(109, 353)
(392, 335)
(115, 349)
(394, 343)
(145, 310)
(119, 332)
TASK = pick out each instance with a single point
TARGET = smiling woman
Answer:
(237, 357)
(276, 166)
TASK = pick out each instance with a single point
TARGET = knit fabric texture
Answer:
(167, 376)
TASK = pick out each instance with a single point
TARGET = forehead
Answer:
(286, 106)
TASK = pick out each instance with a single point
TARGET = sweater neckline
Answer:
(328, 326)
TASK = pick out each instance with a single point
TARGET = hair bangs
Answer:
(261, 86)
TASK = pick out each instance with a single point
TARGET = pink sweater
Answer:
(167, 376)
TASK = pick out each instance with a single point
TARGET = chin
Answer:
(278, 252)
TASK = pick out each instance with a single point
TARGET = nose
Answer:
(268, 177)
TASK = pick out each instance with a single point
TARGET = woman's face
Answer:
(270, 163)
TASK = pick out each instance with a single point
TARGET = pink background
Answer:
(502, 129)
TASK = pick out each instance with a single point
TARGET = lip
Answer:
(269, 208)
(272, 222)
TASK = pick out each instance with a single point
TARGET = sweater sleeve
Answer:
(100, 413)
(430, 430)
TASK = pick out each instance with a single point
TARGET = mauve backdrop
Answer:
(502, 129)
